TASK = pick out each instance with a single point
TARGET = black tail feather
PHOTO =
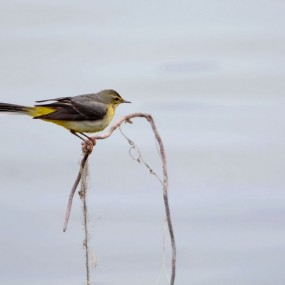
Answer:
(6, 107)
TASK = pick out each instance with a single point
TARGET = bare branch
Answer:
(72, 192)
(164, 182)
(148, 117)
(139, 157)
(83, 196)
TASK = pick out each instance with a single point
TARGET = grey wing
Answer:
(62, 112)
(55, 99)
(69, 99)
(74, 109)
(88, 107)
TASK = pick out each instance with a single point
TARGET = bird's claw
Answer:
(88, 145)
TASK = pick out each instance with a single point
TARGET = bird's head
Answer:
(112, 97)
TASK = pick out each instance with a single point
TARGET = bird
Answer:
(81, 114)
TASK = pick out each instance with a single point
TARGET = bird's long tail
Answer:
(30, 111)
(6, 107)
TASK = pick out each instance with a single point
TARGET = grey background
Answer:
(212, 75)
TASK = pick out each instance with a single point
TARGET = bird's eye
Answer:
(117, 99)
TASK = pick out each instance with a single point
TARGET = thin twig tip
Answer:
(129, 121)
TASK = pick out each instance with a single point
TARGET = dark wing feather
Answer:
(88, 107)
(68, 109)
(66, 99)
(63, 112)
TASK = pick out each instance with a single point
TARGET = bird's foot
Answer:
(88, 144)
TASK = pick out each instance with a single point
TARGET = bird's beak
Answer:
(124, 101)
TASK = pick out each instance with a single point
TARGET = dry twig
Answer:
(83, 196)
(149, 118)
(72, 192)
(164, 182)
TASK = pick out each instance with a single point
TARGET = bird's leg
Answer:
(87, 144)
(91, 140)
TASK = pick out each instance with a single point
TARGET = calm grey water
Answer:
(212, 75)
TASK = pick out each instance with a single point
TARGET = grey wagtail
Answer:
(88, 113)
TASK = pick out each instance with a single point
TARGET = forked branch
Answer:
(164, 182)
(148, 117)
